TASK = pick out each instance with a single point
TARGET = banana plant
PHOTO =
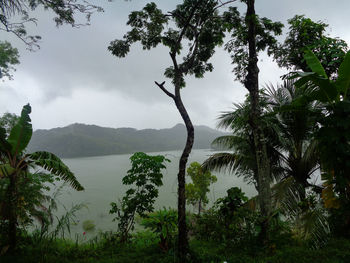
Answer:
(323, 88)
(333, 136)
(16, 166)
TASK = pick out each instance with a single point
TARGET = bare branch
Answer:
(161, 86)
(224, 3)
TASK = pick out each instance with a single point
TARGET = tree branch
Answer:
(187, 24)
(161, 86)
(224, 3)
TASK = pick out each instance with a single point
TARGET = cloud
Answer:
(73, 77)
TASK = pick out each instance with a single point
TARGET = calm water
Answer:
(102, 178)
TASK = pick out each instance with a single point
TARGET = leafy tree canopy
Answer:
(145, 176)
(238, 45)
(8, 120)
(8, 58)
(306, 34)
(196, 22)
(15, 14)
(333, 136)
(196, 192)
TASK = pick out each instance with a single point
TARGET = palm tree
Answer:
(15, 171)
(291, 148)
(295, 126)
(299, 152)
(242, 158)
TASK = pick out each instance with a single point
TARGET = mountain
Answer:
(80, 140)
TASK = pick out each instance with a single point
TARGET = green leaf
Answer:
(54, 165)
(6, 170)
(4, 145)
(314, 64)
(327, 91)
(304, 78)
(21, 133)
(343, 81)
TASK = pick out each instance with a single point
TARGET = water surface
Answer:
(102, 179)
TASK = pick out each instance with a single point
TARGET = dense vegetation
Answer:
(280, 138)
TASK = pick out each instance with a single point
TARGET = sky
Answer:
(73, 78)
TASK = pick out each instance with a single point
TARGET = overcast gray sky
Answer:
(73, 78)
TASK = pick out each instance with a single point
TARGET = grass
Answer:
(143, 247)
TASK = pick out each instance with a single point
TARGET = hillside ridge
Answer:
(82, 140)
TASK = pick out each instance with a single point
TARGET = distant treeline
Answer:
(80, 140)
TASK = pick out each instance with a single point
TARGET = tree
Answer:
(295, 127)
(333, 136)
(306, 34)
(15, 166)
(239, 157)
(8, 58)
(251, 35)
(196, 192)
(292, 152)
(64, 10)
(8, 121)
(12, 10)
(197, 24)
(145, 174)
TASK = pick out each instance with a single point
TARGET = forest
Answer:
(291, 141)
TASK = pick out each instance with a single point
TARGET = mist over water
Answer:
(102, 176)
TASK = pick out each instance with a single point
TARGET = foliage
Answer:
(230, 220)
(306, 34)
(239, 157)
(238, 45)
(7, 121)
(64, 11)
(333, 136)
(198, 25)
(8, 58)
(193, 21)
(145, 175)
(295, 127)
(23, 189)
(291, 148)
(196, 192)
(144, 249)
(164, 223)
(31, 198)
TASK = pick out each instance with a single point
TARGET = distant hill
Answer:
(80, 140)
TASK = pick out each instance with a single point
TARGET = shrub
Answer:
(229, 220)
(164, 223)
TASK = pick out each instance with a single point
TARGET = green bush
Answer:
(164, 223)
(228, 221)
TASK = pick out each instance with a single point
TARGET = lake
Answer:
(102, 176)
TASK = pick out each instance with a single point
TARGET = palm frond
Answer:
(286, 196)
(316, 227)
(236, 119)
(221, 162)
(231, 142)
(54, 165)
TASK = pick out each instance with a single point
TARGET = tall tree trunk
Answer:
(181, 203)
(199, 206)
(183, 240)
(252, 84)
